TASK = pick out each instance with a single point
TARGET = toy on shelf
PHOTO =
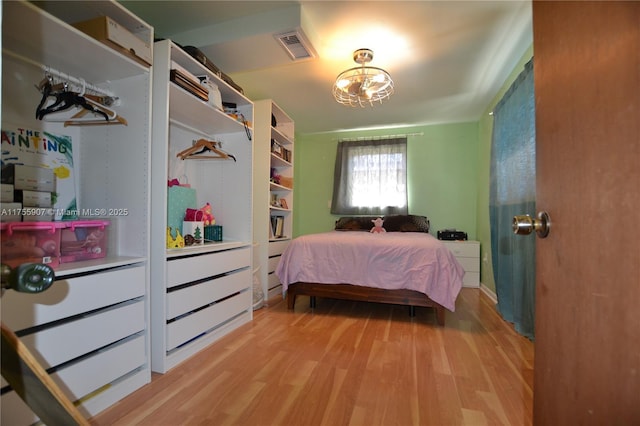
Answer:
(207, 215)
(177, 242)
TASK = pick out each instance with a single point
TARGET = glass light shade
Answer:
(362, 85)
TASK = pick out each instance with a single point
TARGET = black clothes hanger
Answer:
(67, 100)
(64, 99)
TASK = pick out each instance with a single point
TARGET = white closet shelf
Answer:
(191, 112)
(52, 42)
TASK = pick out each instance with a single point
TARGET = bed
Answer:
(405, 265)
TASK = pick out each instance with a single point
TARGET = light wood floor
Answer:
(347, 363)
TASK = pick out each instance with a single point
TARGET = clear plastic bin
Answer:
(83, 240)
(31, 242)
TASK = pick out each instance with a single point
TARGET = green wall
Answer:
(442, 172)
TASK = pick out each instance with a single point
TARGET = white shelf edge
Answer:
(94, 265)
(206, 248)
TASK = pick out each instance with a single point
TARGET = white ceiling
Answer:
(448, 59)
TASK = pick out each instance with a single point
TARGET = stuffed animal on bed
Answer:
(377, 226)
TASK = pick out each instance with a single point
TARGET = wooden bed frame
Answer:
(405, 297)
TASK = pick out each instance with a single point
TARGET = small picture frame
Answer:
(276, 148)
(283, 203)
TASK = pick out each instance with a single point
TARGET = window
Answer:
(370, 177)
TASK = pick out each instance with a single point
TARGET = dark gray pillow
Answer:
(355, 223)
(406, 223)
(392, 223)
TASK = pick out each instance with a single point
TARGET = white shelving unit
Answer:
(201, 292)
(90, 329)
(268, 245)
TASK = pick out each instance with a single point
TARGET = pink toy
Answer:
(377, 226)
(207, 215)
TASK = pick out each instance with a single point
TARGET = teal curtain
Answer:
(513, 177)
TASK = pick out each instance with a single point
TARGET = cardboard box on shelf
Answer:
(29, 178)
(114, 35)
(6, 193)
(33, 198)
(10, 212)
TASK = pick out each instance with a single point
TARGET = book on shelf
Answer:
(277, 226)
(286, 154)
(271, 234)
(280, 151)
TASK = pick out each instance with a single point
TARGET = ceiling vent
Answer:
(296, 44)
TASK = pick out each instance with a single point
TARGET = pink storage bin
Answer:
(83, 240)
(30, 242)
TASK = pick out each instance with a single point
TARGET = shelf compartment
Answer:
(190, 112)
(278, 187)
(48, 40)
(277, 161)
(228, 93)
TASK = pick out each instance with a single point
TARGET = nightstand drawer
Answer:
(464, 248)
(471, 279)
(467, 253)
(470, 264)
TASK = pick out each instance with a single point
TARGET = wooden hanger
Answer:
(79, 119)
(202, 146)
(98, 103)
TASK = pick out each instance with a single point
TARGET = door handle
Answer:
(525, 224)
(27, 277)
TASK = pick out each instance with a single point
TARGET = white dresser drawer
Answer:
(190, 326)
(470, 264)
(73, 296)
(104, 366)
(277, 247)
(274, 281)
(464, 248)
(188, 269)
(273, 263)
(467, 253)
(192, 297)
(471, 279)
(69, 340)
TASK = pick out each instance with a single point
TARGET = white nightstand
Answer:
(468, 254)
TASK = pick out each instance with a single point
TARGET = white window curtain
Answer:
(370, 177)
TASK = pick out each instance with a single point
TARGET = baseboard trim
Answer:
(490, 293)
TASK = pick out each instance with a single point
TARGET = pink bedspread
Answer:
(391, 260)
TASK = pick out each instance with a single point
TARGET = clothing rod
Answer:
(375, 138)
(81, 83)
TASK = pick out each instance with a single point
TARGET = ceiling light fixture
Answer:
(363, 85)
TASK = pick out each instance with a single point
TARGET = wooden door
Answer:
(587, 89)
